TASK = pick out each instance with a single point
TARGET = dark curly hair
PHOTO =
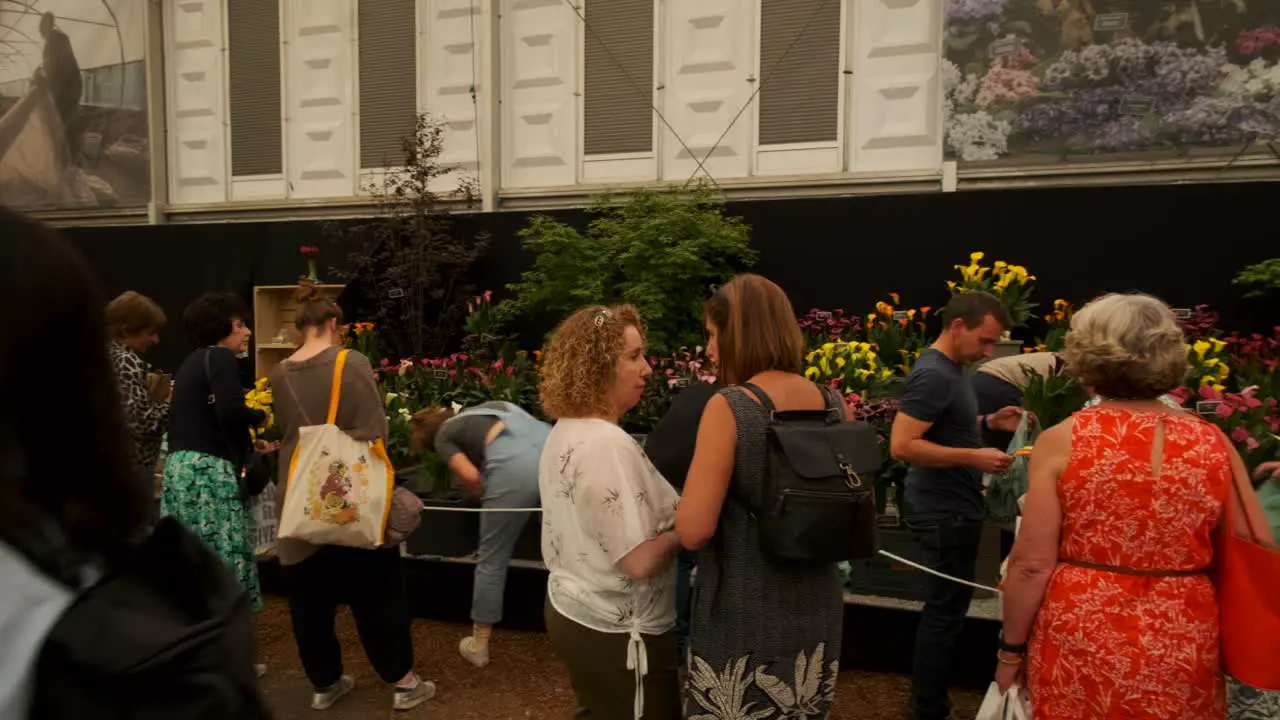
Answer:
(210, 318)
(95, 501)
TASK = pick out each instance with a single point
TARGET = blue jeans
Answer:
(510, 481)
(949, 546)
(686, 561)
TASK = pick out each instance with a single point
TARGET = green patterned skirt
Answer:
(202, 493)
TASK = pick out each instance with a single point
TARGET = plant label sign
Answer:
(1111, 22)
(1182, 313)
(1208, 408)
(1004, 46)
(900, 315)
(396, 293)
(1137, 105)
(440, 374)
(823, 315)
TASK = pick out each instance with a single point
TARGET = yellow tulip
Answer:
(1217, 344)
(840, 362)
(1001, 265)
(951, 284)
(826, 367)
(811, 373)
(975, 257)
(1200, 348)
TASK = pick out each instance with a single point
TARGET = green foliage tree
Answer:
(660, 251)
(1261, 278)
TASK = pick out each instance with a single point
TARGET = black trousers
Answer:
(371, 582)
(950, 547)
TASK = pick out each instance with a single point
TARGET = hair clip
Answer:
(601, 314)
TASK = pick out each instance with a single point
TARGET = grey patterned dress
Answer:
(765, 639)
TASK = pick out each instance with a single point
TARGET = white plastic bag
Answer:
(1012, 705)
(262, 521)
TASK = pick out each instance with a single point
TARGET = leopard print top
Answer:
(145, 418)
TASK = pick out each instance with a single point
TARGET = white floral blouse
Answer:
(601, 498)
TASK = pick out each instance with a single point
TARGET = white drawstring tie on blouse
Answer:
(638, 660)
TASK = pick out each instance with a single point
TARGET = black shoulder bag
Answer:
(254, 475)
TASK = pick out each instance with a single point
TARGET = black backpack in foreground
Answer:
(817, 502)
(165, 634)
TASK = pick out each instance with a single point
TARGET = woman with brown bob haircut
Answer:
(751, 610)
(134, 322)
(607, 514)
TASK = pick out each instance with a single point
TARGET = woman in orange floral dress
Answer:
(1111, 561)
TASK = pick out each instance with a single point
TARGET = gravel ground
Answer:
(524, 681)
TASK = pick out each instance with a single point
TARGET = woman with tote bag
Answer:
(348, 504)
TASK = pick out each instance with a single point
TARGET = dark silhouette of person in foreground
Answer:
(101, 617)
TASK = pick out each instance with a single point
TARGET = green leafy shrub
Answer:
(660, 251)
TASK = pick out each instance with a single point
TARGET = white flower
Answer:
(457, 407)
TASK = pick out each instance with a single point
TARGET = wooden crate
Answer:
(274, 337)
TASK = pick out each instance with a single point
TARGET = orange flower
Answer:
(896, 301)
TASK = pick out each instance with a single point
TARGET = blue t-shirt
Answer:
(938, 392)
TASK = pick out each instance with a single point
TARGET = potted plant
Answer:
(1012, 284)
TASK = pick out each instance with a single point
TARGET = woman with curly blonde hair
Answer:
(1107, 595)
(608, 514)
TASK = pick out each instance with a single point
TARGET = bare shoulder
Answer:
(1055, 442)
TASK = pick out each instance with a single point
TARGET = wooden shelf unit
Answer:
(274, 337)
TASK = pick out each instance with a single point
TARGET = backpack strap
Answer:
(765, 401)
(335, 393)
(833, 404)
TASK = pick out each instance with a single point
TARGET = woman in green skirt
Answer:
(209, 440)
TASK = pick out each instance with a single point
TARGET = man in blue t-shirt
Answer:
(938, 432)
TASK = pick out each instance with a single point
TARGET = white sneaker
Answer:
(476, 656)
(409, 698)
(324, 699)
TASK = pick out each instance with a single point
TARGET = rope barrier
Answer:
(885, 553)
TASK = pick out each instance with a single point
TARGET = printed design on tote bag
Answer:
(337, 498)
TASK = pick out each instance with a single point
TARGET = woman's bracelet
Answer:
(1005, 658)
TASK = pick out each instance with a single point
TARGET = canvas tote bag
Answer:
(339, 489)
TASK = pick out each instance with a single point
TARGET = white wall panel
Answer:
(319, 90)
(709, 51)
(540, 59)
(195, 78)
(453, 61)
(896, 117)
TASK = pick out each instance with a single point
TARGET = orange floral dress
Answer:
(1108, 645)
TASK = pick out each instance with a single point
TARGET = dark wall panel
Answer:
(1182, 243)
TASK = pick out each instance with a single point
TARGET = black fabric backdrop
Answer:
(1182, 243)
